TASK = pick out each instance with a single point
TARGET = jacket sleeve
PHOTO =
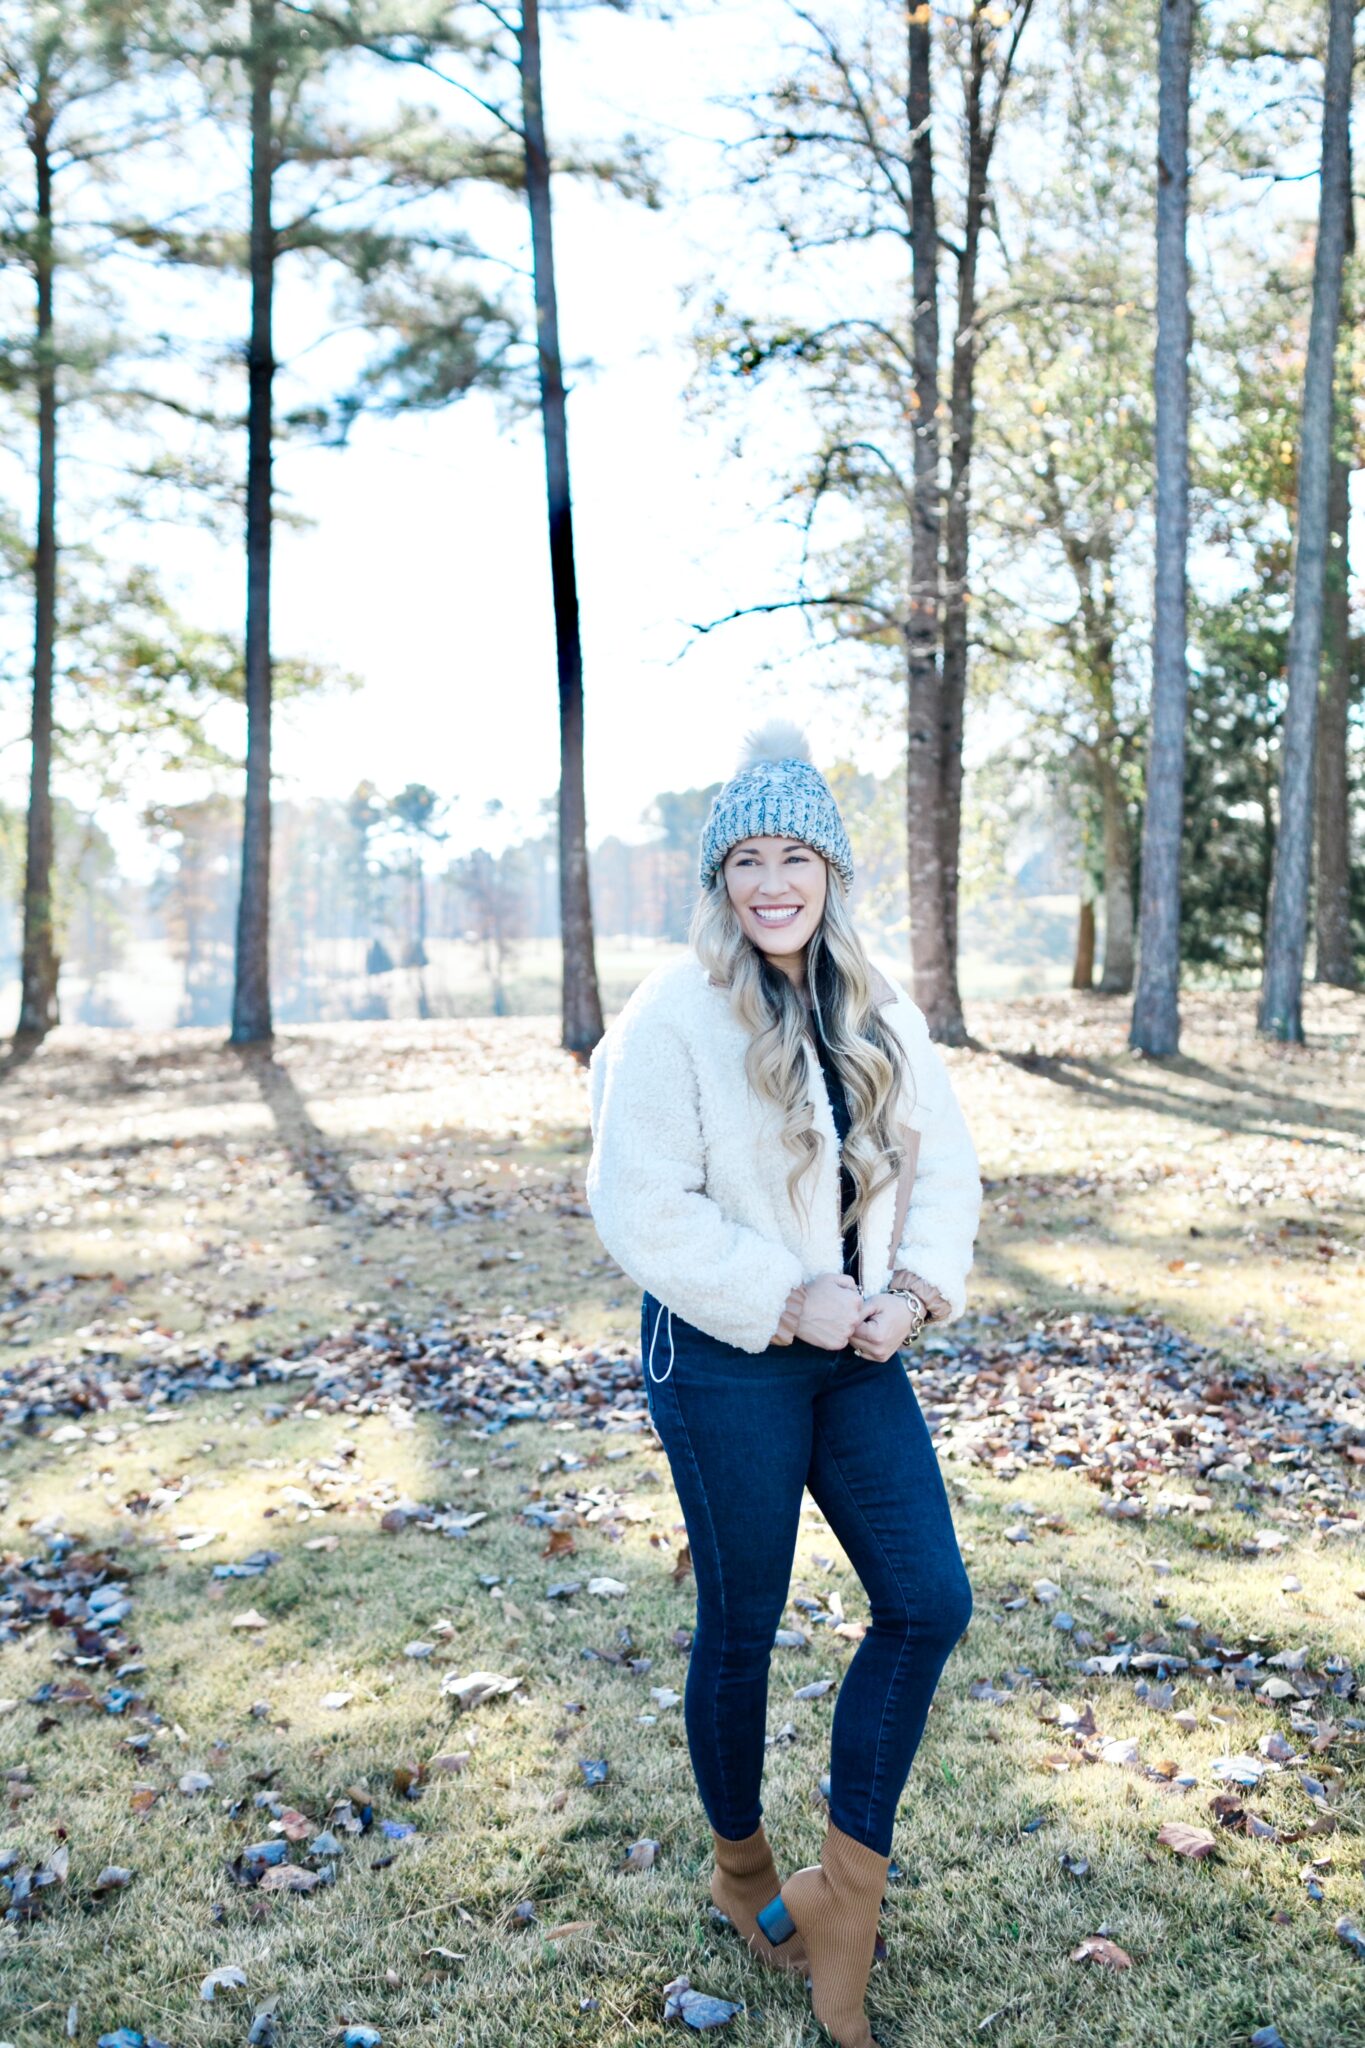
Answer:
(945, 1199)
(645, 1187)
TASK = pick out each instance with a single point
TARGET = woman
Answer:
(780, 1163)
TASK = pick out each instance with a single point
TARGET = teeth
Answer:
(776, 916)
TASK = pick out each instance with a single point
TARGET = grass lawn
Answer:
(341, 1309)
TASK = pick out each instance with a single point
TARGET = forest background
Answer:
(732, 452)
(345, 1604)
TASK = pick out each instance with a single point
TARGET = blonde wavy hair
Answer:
(866, 1055)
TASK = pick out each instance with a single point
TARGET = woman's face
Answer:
(778, 889)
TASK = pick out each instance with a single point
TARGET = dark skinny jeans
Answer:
(744, 1433)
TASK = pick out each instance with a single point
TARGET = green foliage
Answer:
(1237, 674)
(416, 811)
(89, 896)
(1231, 772)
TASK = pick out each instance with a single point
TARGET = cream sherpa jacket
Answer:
(687, 1179)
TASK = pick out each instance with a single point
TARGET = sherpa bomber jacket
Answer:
(687, 1179)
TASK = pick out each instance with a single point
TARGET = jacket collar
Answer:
(882, 990)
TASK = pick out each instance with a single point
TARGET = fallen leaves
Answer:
(1350, 1936)
(475, 1687)
(229, 1977)
(698, 2009)
(1196, 1843)
(1239, 1770)
(1098, 1948)
(1082, 1391)
(289, 1877)
(816, 1690)
(27, 1885)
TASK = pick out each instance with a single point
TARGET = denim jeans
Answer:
(744, 1433)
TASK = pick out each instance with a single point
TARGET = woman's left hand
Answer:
(882, 1328)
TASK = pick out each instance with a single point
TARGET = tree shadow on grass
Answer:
(327, 1175)
(1281, 1102)
(1094, 1078)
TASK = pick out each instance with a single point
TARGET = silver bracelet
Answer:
(921, 1313)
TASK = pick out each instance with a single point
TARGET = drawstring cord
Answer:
(659, 1378)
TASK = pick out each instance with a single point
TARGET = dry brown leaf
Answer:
(449, 1761)
(1097, 1948)
(288, 1877)
(1187, 1840)
(569, 1927)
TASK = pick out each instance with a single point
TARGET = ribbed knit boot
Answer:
(745, 1878)
(833, 1905)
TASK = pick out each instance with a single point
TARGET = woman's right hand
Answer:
(830, 1311)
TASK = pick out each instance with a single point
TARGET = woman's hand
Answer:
(830, 1311)
(884, 1325)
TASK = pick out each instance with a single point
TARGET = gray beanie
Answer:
(776, 790)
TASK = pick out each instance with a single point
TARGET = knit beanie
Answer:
(776, 790)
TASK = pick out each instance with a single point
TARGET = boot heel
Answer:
(776, 1921)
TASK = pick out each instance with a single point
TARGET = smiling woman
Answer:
(780, 1162)
(778, 889)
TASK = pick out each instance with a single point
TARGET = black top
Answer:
(838, 1102)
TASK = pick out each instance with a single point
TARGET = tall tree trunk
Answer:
(957, 525)
(1083, 961)
(929, 939)
(38, 991)
(581, 1000)
(1335, 956)
(1117, 977)
(1156, 1012)
(251, 1018)
(980, 136)
(1281, 1006)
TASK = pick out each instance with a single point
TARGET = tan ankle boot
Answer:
(745, 1878)
(834, 1905)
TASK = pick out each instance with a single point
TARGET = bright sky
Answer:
(425, 570)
